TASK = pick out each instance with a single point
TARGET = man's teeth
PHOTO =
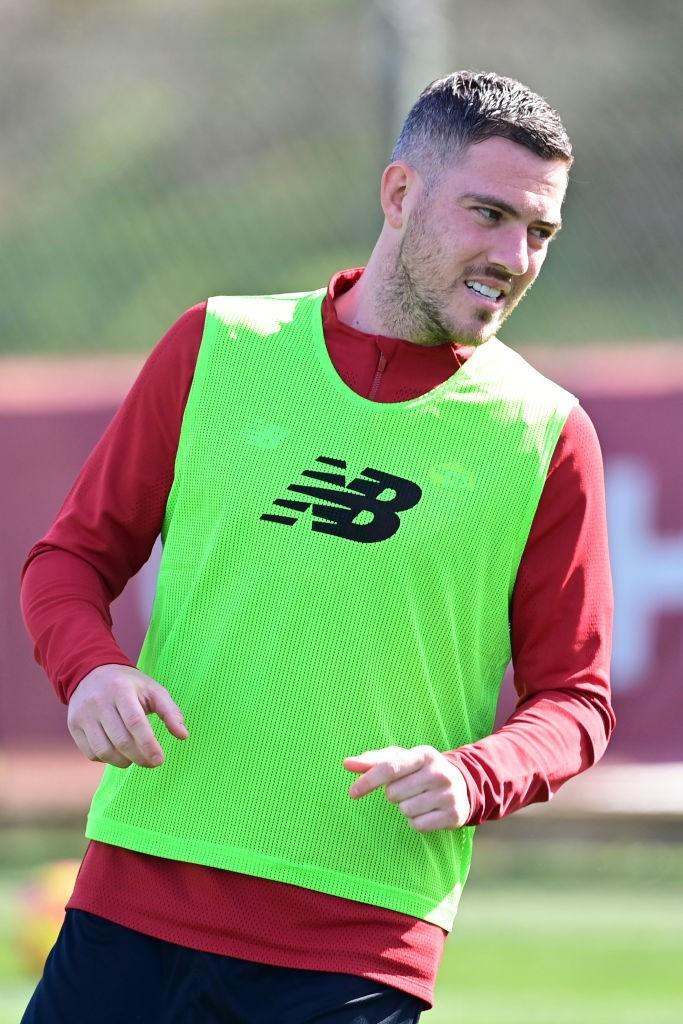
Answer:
(483, 289)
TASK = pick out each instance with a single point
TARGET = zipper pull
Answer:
(381, 366)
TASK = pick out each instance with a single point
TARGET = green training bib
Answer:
(336, 577)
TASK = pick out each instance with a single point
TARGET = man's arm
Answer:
(110, 519)
(561, 622)
(102, 536)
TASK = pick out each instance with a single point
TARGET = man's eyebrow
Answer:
(506, 208)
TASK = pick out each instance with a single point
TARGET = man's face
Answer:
(486, 224)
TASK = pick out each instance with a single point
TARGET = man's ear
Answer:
(398, 182)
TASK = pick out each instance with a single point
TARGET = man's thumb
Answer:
(161, 702)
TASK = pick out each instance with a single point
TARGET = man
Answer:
(368, 504)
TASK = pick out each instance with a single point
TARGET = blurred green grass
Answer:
(553, 955)
(552, 930)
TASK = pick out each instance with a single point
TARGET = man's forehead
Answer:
(499, 155)
(498, 168)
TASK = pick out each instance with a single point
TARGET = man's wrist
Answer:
(473, 795)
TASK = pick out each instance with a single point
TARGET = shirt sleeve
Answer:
(111, 517)
(561, 629)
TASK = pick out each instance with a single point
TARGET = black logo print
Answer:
(342, 507)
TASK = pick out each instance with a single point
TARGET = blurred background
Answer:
(155, 153)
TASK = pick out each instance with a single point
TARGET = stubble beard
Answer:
(411, 310)
(408, 308)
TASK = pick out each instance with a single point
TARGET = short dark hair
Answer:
(467, 107)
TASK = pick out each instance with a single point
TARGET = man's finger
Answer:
(418, 805)
(363, 762)
(374, 778)
(81, 741)
(393, 763)
(115, 729)
(369, 758)
(160, 701)
(410, 785)
(102, 748)
(430, 822)
(139, 742)
(146, 750)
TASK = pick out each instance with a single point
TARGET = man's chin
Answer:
(473, 334)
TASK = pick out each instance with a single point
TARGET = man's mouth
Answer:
(486, 294)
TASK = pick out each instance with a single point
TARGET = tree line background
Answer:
(158, 152)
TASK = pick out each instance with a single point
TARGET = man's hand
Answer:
(428, 789)
(107, 716)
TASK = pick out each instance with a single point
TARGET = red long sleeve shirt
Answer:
(560, 616)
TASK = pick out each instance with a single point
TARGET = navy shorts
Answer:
(99, 972)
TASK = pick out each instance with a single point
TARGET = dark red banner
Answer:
(46, 434)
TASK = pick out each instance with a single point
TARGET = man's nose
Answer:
(511, 252)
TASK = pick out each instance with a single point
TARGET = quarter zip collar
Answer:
(380, 368)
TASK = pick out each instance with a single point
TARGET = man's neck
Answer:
(355, 307)
(376, 304)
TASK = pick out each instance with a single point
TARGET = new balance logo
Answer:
(358, 500)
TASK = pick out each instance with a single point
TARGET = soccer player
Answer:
(369, 505)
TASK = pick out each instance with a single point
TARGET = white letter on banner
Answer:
(647, 568)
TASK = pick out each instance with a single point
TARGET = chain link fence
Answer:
(157, 152)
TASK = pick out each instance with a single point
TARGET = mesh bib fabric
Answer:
(336, 577)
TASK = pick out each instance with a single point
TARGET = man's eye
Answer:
(544, 234)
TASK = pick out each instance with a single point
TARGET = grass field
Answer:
(549, 932)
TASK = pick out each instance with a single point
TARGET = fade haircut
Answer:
(467, 107)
